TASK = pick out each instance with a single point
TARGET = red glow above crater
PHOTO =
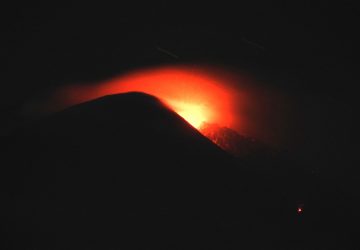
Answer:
(198, 95)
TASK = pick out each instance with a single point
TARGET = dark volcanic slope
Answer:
(119, 171)
(124, 125)
(125, 172)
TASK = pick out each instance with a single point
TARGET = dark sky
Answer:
(52, 44)
(305, 48)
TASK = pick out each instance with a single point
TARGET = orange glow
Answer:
(195, 94)
(195, 114)
(199, 94)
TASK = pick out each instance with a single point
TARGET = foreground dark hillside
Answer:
(125, 172)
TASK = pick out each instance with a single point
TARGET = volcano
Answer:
(126, 172)
(118, 171)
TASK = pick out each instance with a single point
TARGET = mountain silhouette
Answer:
(119, 171)
(126, 172)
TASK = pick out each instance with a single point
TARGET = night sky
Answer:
(299, 46)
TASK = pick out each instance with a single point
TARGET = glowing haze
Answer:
(196, 94)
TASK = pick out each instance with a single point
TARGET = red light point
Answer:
(299, 210)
